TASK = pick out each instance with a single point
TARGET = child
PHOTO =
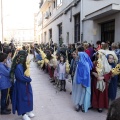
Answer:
(55, 71)
(50, 68)
(112, 89)
(4, 83)
(62, 73)
(22, 100)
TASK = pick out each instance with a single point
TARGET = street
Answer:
(50, 104)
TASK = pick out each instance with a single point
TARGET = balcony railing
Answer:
(44, 4)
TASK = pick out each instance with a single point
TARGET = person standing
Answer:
(100, 82)
(9, 58)
(73, 66)
(22, 99)
(112, 89)
(81, 90)
(4, 83)
(62, 73)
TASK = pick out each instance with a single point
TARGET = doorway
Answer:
(108, 31)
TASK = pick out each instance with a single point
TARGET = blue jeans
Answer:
(3, 98)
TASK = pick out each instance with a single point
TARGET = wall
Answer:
(90, 6)
(65, 20)
(92, 29)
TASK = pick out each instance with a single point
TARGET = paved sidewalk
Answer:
(49, 104)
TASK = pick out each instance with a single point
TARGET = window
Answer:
(108, 31)
(59, 3)
(67, 37)
(54, 4)
(44, 37)
(60, 33)
(41, 38)
(77, 28)
(49, 11)
(50, 34)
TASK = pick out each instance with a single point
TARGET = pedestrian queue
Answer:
(92, 71)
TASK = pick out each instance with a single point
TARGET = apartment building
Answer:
(73, 21)
(21, 36)
(35, 28)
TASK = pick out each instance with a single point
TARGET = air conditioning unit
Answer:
(46, 15)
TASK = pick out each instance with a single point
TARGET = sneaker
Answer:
(30, 114)
(25, 117)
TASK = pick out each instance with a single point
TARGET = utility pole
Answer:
(2, 20)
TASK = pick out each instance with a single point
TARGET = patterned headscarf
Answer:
(19, 58)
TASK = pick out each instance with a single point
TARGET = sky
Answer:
(19, 14)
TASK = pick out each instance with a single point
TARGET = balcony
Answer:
(103, 12)
(44, 4)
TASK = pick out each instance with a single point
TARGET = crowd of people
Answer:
(15, 82)
(93, 87)
(88, 67)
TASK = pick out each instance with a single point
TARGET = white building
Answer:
(77, 20)
(35, 28)
(21, 36)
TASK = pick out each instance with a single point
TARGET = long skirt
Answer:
(51, 71)
(81, 95)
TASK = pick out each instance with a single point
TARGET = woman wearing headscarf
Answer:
(81, 91)
(101, 76)
(22, 99)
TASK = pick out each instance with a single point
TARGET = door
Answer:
(108, 31)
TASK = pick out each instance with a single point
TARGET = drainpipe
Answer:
(81, 21)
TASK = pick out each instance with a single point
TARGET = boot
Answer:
(60, 85)
(64, 84)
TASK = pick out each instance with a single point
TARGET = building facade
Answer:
(35, 28)
(20, 36)
(73, 21)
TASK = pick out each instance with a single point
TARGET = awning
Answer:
(103, 12)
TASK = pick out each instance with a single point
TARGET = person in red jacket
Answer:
(86, 46)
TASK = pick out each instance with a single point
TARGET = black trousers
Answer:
(4, 93)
